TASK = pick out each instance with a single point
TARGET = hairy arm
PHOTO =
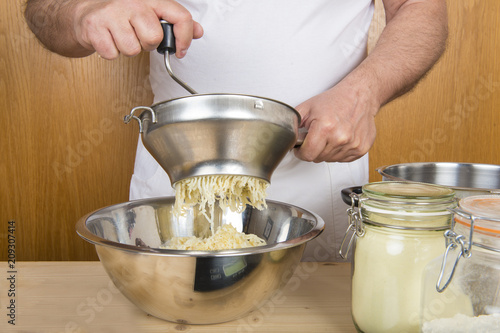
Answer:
(413, 40)
(50, 22)
(341, 121)
(77, 28)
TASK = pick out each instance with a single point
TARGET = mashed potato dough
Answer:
(205, 193)
(225, 238)
(228, 191)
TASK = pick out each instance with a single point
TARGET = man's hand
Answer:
(77, 28)
(340, 123)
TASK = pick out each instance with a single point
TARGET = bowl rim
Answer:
(84, 232)
(230, 95)
(383, 171)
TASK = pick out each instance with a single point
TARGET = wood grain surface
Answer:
(66, 152)
(453, 114)
(80, 297)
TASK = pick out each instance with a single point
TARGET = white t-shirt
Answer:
(287, 50)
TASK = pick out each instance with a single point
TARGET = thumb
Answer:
(304, 110)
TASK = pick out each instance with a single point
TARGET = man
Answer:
(308, 54)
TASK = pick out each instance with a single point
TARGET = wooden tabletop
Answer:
(80, 297)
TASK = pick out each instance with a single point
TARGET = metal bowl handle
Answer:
(132, 115)
(346, 195)
(301, 137)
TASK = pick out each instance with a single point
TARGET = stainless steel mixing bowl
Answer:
(215, 134)
(197, 287)
(465, 179)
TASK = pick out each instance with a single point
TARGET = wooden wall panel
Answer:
(64, 148)
(453, 115)
(65, 151)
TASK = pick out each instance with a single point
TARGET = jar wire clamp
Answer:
(355, 225)
(454, 241)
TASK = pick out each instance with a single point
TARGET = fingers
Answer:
(103, 44)
(330, 154)
(340, 123)
(313, 144)
(335, 143)
(125, 40)
(147, 30)
(112, 39)
(185, 28)
(112, 28)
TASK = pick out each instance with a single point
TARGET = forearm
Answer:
(51, 22)
(412, 41)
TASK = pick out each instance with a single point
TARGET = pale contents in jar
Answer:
(464, 324)
(387, 278)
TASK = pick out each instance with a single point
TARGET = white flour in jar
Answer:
(464, 324)
(403, 231)
(396, 261)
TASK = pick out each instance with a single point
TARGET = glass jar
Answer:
(461, 288)
(398, 229)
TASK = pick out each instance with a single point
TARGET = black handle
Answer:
(168, 41)
(346, 194)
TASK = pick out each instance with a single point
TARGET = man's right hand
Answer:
(77, 28)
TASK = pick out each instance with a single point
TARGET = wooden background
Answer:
(65, 151)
